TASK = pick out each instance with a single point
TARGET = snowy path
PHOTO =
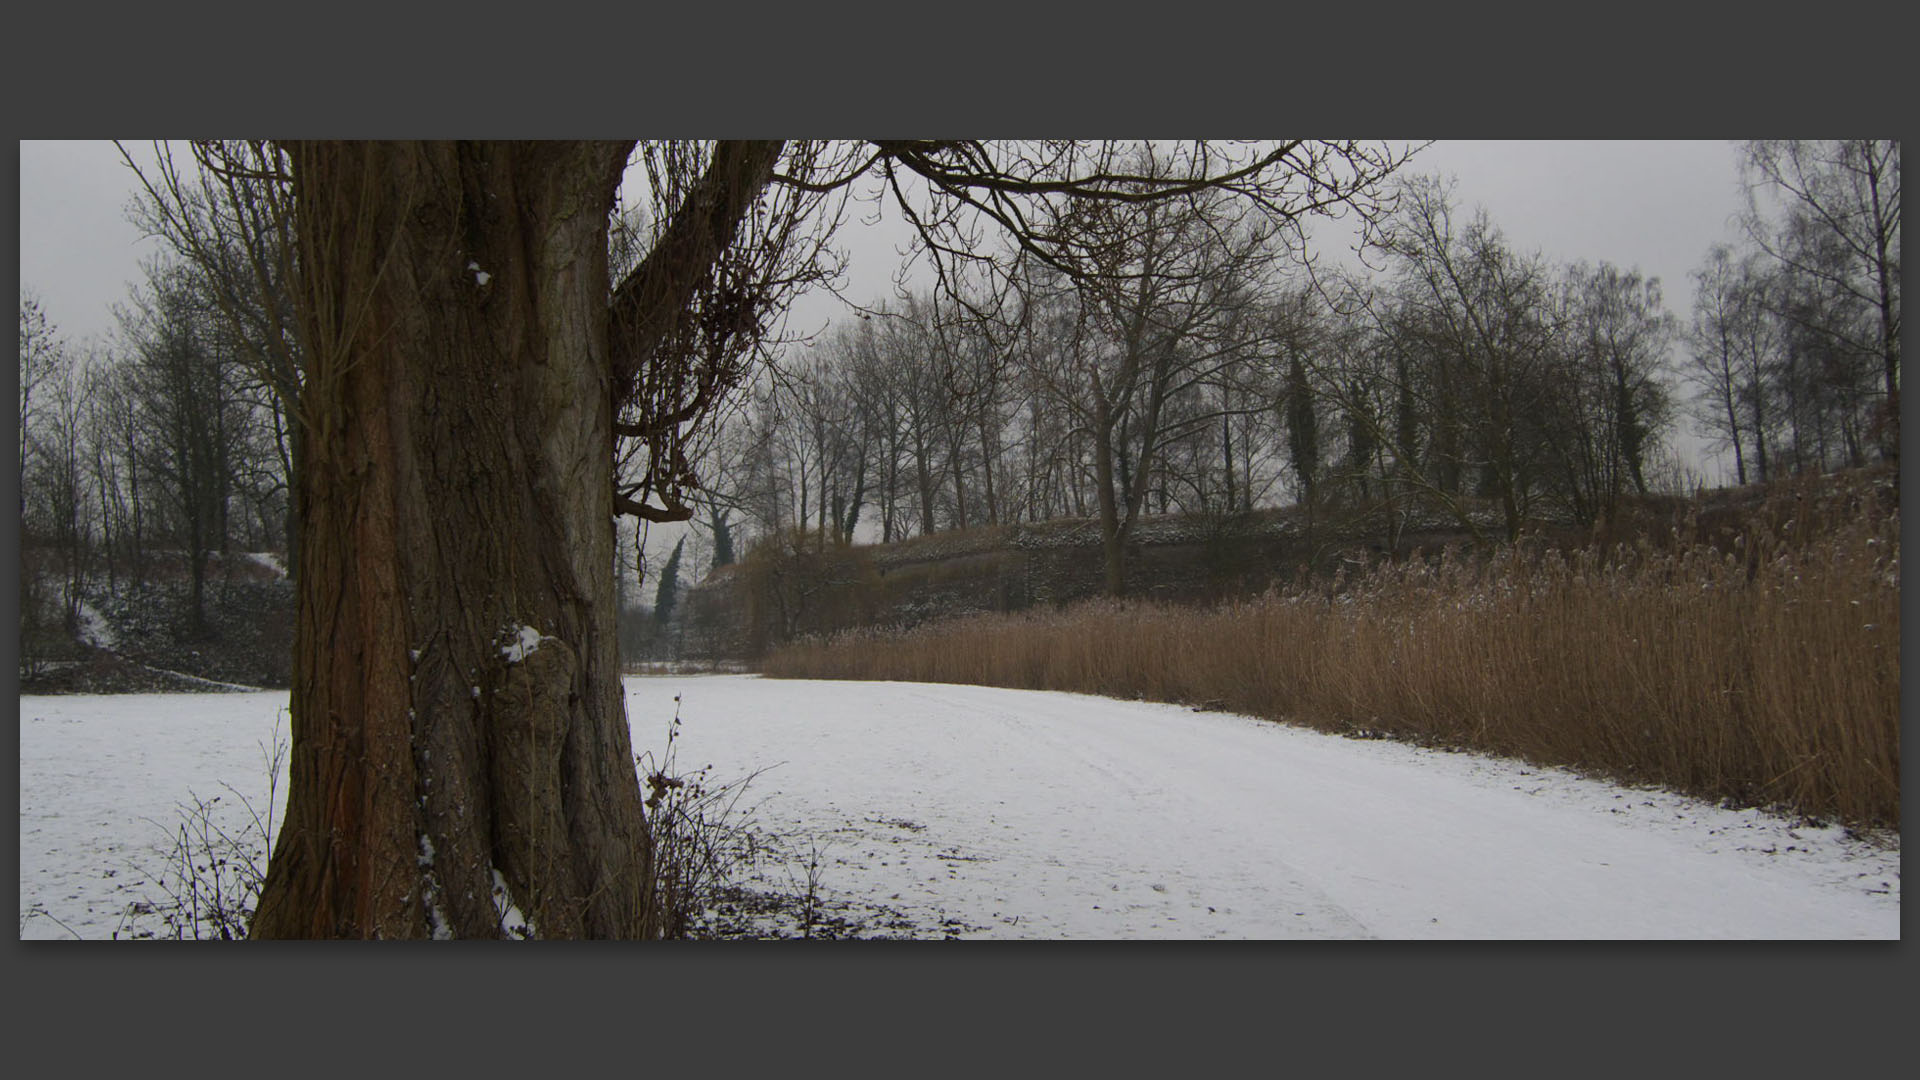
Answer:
(1057, 815)
(992, 813)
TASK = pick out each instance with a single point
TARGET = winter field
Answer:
(932, 811)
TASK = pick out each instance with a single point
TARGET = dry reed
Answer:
(1758, 665)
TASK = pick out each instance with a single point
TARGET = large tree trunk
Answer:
(457, 712)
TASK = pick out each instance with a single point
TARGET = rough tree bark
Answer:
(457, 711)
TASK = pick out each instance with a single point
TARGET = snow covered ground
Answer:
(950, 811)
(267, 559)
(101, 780)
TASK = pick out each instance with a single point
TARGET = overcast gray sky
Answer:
(1653, 205)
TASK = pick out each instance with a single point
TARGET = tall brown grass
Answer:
(1755, 663)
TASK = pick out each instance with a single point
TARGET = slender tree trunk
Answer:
(103, 480)
(1733, 412)
(1631, 442)
(924, 475)
(137, 562)
(1113, 545)
(889, 481)
(826, 482)
(1889, 337)
(1757, 395)
(988, 449)
(197, 573)
(1226, 448)
(457, 712)
(852, 517)
(957, 467)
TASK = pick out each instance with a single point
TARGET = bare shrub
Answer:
(211, 871)
(700, 835)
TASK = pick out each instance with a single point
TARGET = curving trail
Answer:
(955, 811)
(1037, 815)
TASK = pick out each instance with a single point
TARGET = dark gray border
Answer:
(1378, 70)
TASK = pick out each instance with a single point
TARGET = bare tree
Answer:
(1168, 309)
(923, 403)
(57, 501)
(190, 418)
(457, 715)
(1483, 311)
(1714, 367)
(1298, 398)
(1840, 233)
(228, 214)
(126, 489)
(874, 389)
(1614, 405)
(40, 357)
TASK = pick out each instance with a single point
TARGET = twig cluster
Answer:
(211, 870)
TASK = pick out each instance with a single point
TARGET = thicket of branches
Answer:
(172, 440)
(1205, 370)
(1794, 343)
(1121, 358)
(143, 457)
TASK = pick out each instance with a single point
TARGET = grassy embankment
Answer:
(1758, 664)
